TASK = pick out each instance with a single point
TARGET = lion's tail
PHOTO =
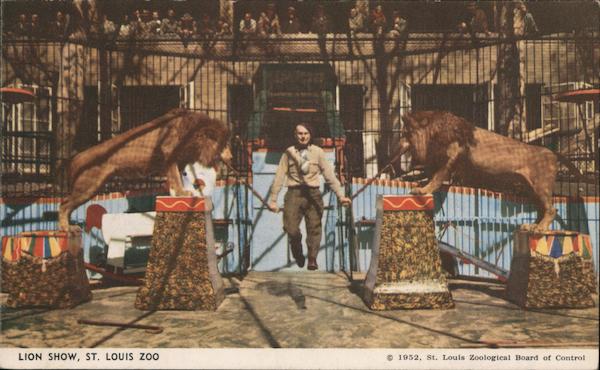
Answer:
(60, 181)
(573, 170)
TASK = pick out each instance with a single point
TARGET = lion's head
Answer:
(209, 142)
(431, 132)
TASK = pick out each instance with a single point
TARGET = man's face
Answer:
(302, 135)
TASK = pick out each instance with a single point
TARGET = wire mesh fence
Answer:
(354, 88)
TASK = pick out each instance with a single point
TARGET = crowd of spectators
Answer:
(268, 22)
(140, 24)
(264, 22)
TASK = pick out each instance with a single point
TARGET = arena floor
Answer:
(306, 310)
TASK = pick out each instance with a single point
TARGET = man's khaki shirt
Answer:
(289, 171)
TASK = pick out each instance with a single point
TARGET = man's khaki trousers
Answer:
(302, 202)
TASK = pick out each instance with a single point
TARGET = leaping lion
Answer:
(160, 146)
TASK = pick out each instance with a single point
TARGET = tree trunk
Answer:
(385, 122)
(71, 85)
(511, 81)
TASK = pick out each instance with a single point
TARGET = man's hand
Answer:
(346, 201)
(273, 207)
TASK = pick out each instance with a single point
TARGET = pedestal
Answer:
(182, 269)
(405, 270)
(44, 269)
(551, 270)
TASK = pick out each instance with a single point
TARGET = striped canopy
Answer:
(560, 245)
(44, 246)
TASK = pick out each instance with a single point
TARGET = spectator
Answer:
(399, 26)
(137, 16)
(320, 22)
(58, 26)
(127, 29)
(144, 25)
(247, 25)
(247, 30)
(169, 25)
(188, 26)
(378, 21)
(478, 20)
(262, 25)
(137, 21)
(523, 21)
(223, 27)
(155, 25)
(22, 27)
(35, 28)
(108, 26)
(292, 25)
(205, 27)
(274, 24)
(356, 21)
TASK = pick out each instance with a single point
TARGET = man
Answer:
(22, 27)
(170, 25)
(320, 23)
(293, 23)
(247, 25)
(35, 28)
(247, 30)
(399, 24)
(356, 21)
(108, 26)
(523, 22)
(478, 20)
(378, 21)
(301, 165)
(58, 27)
(155, 25)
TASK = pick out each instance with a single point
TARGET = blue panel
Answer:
(269, 249)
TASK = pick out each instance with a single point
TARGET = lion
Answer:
(450, 148)
(160, 146)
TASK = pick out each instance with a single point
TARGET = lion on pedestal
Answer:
(159, 147)
(450, 148)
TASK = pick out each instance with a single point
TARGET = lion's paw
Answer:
(418, 191)
(74, 229)
(184, 193)
(532, 228)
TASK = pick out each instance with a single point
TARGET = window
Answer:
(352, 117)
(467, 101)
(533, 106)
(27, 135)
(140, 104)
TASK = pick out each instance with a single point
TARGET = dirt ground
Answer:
(305, 310)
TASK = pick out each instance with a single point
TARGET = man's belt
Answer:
(303, 187)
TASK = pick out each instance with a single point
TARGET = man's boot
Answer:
(312, 263)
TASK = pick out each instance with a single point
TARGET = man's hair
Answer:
(306, 125)
(308, 128)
